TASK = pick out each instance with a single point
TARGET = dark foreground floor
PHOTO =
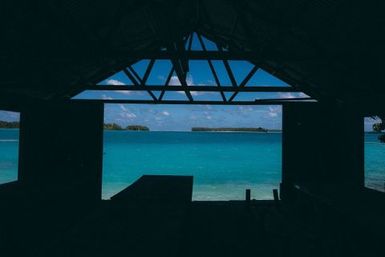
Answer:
(260, 228)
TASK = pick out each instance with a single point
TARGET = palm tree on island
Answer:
(379, 127)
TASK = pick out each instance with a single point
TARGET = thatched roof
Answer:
(332, 49)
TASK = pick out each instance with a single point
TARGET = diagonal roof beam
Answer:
(188, 40)
(212, 67)
(244, 82)
(145, 77)
(228, 68)
(166, 84)
(182, 78)
(134, 73)
(147, 72)
(180, 71)
(137, 81)
(131, 77)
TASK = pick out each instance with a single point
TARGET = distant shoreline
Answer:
(116, 127)
(235, 129)
(9, 124)
(189, 131)
(124, 130)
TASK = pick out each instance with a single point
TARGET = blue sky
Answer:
(183, 117)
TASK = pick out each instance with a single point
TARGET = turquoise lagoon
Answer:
(223, 164)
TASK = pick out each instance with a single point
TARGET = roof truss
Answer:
(179, 55)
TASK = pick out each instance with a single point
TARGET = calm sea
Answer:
(223, 164)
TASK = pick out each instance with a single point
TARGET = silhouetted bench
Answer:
(158, 188)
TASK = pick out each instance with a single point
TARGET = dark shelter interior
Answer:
(332, 50)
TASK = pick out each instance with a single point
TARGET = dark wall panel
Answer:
(61, 150)
(323, 147)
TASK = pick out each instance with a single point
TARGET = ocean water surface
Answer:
(223, 164)
(374, 162)
(9, 147)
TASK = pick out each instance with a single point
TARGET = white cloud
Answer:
(174, 81)
(274, 108)
(245, 108)
(209, 107)
(195, 93)
(302, 95)
(273, 111)
(292, 95)
(115, 82)
(123, 108)
(166, 113)
(9, 116)
(370, 120)
(127, 115)
(189, 80)
(106, 97)
(286, 95)
(123, 92)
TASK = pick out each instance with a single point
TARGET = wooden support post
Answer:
(248, 195)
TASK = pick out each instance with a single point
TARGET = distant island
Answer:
(9, 124)
(137, 128)
(114, 126)
(259, 129)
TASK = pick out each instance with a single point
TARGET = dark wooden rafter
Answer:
(259, 59)
(130, 76)
(134, 72)
(141, 82)
(179, 62)
(242, 21)
(211, 67)
(166, 84)
(179, 54)
(145, 77)
(200, 88)
(244, 82)
(279, 72)
(220, 50)
(228, 68)
(130, 57)
(180, 72)
(295, 99)
(283, 28)
(188, 40)
(183, 82)
(198, 102)
(262, 58)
